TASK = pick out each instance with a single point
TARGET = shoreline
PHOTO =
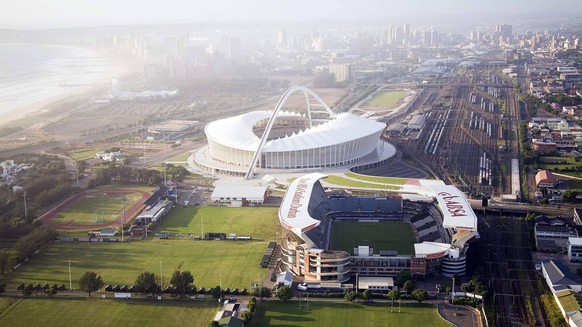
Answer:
(118, 66)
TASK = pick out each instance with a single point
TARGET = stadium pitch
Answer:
(382, 236)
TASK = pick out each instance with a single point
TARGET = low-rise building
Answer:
(575, 248)
(545, 178)
(239, 195)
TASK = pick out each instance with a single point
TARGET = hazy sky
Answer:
(34, 14)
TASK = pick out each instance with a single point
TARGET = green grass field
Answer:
(377, 179)
(97, 208)
(337, 180)
(386, 99)
(83, 154)
(345, 314)
(232, 262)
(259, 222)
(99, 312)
(384, 235)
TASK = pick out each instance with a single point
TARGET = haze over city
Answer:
(291, 163)
(38, 14)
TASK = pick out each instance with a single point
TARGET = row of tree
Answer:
(126, 174)
(146, 283)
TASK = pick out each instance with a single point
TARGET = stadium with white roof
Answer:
(443, 219)
(288, 140)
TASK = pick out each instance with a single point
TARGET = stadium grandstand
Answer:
(442, 220)
(284, 140)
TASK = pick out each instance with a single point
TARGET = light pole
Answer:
(25, 208)
(122, 215)
(357, 285)
(70, 279)
(453, 292)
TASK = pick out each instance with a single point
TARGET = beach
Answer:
(33, 76)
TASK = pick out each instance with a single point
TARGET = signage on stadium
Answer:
(436, 255)
(455, 208)
(297, 197)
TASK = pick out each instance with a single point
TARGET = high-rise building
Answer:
(504, 30)
(342, 72)
(233, 47)
(434, 38)
(282, 38)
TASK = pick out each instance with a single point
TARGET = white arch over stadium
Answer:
(292, 90)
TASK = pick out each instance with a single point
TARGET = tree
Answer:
(367, 295)
(394, 295)
(402, 277)
(246, 316)
(4, 260)
(146, 283)
(262, 292)
(420, 295)
(408, 286)
(216, 292)
(90, 282)
(350, 296)
(569, 196)
(284, 293)
(182, 282)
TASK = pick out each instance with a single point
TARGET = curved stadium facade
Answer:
(288, 140)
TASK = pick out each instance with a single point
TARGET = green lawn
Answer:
(337, 180)
(99, 312)
(386, 99)
(557, 159)
(345, 314)
(383, 235)
(260, 223)
(232, 262)
(181, 157)
(377, 179)
(97, 208)
(83, 154)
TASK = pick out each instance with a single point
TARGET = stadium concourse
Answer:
(439, 213)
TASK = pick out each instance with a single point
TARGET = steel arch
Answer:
(292, 90)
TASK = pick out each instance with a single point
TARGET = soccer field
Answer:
(386, 99)
(383, 235)
(99, 312)
(97, 208)
(345, 314)
(234, 263)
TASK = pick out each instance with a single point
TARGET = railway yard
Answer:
(470, 134)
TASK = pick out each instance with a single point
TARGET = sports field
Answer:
(232, 262)
(345, 314)
(260, 223)
(383, 235)
(98, 312)
(386, 99)
(97, 208)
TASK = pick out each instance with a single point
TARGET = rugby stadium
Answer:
(439, 214)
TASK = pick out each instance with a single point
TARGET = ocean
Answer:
(31, 73)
